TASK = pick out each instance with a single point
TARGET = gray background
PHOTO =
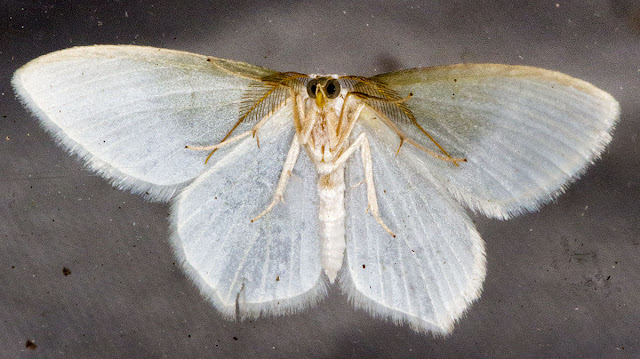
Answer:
(561, 283)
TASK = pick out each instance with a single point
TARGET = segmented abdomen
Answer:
(331, 211)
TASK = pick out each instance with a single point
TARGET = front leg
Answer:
(362, 142)
(289, 163)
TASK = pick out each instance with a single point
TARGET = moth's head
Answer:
(323, 89)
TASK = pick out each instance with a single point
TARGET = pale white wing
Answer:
(129, 111)
(270, 266)
(526, 132)
(433, 269)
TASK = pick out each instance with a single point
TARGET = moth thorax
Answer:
(325, 129)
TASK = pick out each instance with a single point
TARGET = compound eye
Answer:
(333, 88)
(312, 86)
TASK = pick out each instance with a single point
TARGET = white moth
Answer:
(315, 179)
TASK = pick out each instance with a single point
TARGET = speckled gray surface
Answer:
(561, 283)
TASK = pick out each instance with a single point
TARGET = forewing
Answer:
(271, 265)
(526, 132)
(129, 111)
(433, 269)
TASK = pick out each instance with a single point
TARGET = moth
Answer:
(283, 183)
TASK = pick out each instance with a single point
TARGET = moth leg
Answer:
(221, 144)
(289, 163)
(362, 142)
(227, 141)
(214, 148)
(404, 138)
(358, 184)
(349, 101)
